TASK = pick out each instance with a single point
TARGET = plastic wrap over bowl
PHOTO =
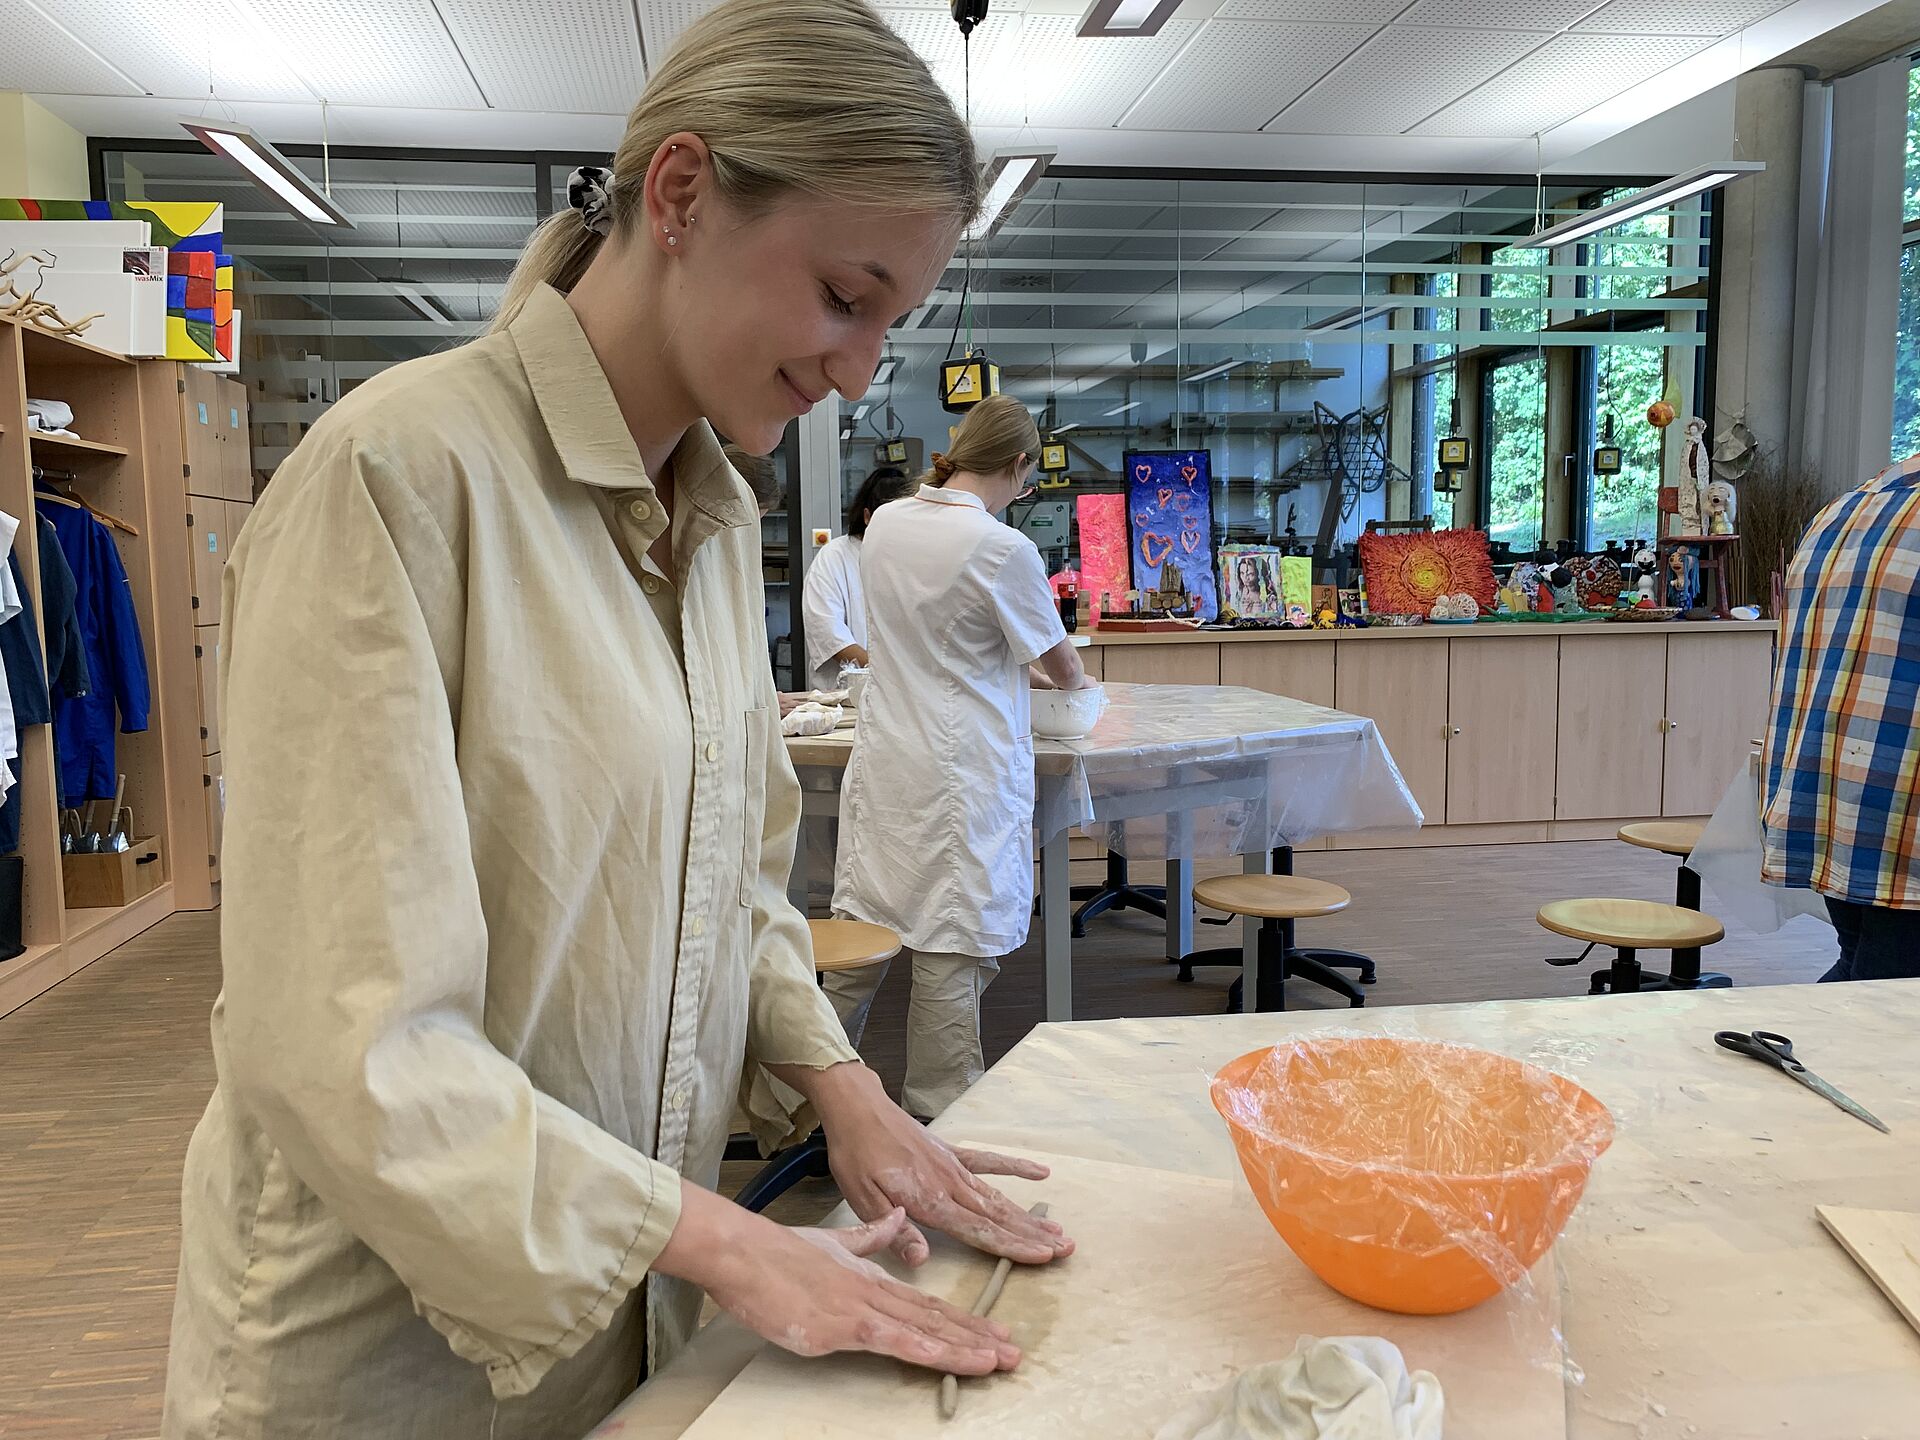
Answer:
(1411, 1175)
(1068, 714)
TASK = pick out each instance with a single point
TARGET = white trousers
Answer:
(943, 1023)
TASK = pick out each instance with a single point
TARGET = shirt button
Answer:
(713, 751)
(697, 926)
(641, 511)
(679, 1096)
(650, 585)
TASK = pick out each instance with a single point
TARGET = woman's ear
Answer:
(676, 184)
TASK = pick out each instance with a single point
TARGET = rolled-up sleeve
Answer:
(356, 975)
(790, 1021)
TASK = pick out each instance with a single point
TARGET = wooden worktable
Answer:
(1697, 1289)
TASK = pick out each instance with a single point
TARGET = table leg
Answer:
(1056, 939)
(1686, 963)
(1179, 884)
(1252, 863)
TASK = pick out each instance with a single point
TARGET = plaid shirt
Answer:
(1843, 746)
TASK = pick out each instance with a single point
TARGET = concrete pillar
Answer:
(1759, 223)
(814, 509)
(41, 156)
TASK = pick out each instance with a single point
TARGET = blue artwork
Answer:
(1170, 516)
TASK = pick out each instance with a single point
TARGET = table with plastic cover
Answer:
(1698, 1296)
(1174, 773)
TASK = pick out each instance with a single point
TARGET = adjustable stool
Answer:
(1671, 837)
(1630, 926)
(1277, 901)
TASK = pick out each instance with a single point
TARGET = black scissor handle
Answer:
(1776, 1050)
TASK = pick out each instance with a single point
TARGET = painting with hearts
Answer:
(1170, 518)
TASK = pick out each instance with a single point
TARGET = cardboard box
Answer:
(114, 879)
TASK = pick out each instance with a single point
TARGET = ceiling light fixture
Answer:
(271, 170)
(1347, 319)
(888, 367)
(1121, 19)
(1009, 175)
(428, 307)
(1656, 196)
(1123, 409)
(1216, 370)
(1063, 429)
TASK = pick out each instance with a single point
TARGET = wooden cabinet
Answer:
(1301, 671)
(216, 802)
(208, 524)
(1177, 663)
(1402, 686)
(1612, 698)
(1718, 687)
(236, 462)
(1502, 714)
(206, 652)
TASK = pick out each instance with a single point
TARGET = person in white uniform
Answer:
(834, 606)
(937, 839)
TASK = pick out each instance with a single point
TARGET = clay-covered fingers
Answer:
(882, 1334)
(991, 1162)
(965, 1217)
(951, 1326)
(885, 1232)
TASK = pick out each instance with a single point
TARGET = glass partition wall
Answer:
(1318, 337)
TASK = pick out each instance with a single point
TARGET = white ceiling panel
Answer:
(1088, 84)
(1500, 14)
(37, 55)
(1680, 17)
(396, 53)
(1400, 77)
(1355, 12)
(1000, 73)
(582, 55)
(1565, 77)
(173, 48)
(661, 22)
(1239, 74)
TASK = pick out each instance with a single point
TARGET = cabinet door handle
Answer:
(1449, 732)
(1667, 727)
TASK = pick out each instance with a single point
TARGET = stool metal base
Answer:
(1626, 976)
(1280, 961)
(1117, 892)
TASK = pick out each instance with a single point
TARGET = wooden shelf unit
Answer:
(109, 396)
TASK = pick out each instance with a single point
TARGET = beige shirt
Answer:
(505, 927)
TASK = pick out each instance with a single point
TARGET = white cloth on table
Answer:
(936, 839)
(834, 608)
(1350, 1388)
(811, 718)
(1727, 860)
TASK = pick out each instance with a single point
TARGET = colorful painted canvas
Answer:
(1103, 549)
(1250, 581)
(1170, 516)
(199, 273)
(1406, 573)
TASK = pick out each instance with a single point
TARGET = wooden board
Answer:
(1613, 695)
(1885, 1244)
(1504, 712)
(1178, 1284)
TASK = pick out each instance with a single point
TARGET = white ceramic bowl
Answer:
(1068, 714)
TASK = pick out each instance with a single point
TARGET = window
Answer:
(1626, 380)
(1513, 413)
(1906, 369)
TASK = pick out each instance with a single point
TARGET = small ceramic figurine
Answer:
(1644, 561)
(1720, 508)
(1695, 473)
(1326, 619)
(1683, 578)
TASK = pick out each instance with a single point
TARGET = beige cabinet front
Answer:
(1613, 693)
(1302, 670)
(1402, 686)
(1718, 685)
(1502, 713)
(1170, 664)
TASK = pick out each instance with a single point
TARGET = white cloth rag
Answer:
(810, 719)
(49, 415)
(1347, 1388)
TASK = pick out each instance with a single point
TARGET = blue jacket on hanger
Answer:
(83, 725)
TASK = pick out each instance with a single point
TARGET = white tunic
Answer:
(834, 608)
(936, 839)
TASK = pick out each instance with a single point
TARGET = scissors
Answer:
(1777, 1051)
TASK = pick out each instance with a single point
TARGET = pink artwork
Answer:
(1104, 562)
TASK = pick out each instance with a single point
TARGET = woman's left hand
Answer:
(882, 1158)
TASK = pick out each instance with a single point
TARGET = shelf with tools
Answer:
(99, 483)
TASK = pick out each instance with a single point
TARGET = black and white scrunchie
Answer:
(590, 191)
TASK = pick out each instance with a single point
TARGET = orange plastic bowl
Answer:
(1411, 1175)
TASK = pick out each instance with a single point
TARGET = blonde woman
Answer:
(510, 822)
(936, 840)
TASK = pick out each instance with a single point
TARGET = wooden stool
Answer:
(1673, 837)
(1277, 901)
(837, 945)
(1628, 926)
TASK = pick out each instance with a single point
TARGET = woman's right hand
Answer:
(813, 1291)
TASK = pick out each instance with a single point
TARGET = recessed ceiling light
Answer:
(1008, 177)
(1656, 196)
(1123, 409)
(1062, 429)
(1216, 370)
(271, 170)
(1123, 18)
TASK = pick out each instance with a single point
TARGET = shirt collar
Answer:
(584, 422)
(940, 495)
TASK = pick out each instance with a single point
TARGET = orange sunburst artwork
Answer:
(1405, 574)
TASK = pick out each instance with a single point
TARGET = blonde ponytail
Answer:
(787, 96)
(995, 433)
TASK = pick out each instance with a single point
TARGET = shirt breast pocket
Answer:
(753, 817)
